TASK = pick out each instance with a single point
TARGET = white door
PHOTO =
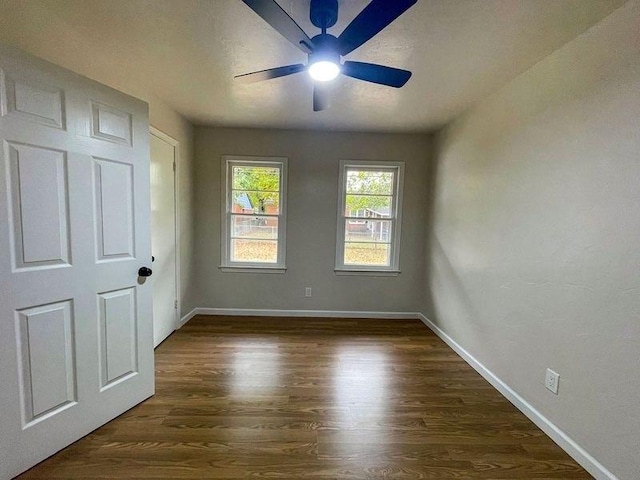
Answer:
(76, 342)
(163, 236)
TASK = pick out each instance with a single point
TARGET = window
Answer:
(254, 217)
(369, 211)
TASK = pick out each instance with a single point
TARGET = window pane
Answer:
(254, 227)
(369, 206)
(367, 231)
(256, 178)
(367, 254)
(371, 182)
(263, 203)
(264, 251)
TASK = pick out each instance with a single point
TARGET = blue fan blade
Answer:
(274, 15)
(369, 72)
(370, 21)
(270, 73)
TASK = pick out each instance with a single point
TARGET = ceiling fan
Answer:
(325, 50)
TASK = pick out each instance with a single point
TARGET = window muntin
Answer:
(254, 212)
(369, 216)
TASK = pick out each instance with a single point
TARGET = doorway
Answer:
(164, 235)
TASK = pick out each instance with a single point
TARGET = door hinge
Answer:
(174, 166)
(175, 304)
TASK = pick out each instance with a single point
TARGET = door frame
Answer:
(176, 205)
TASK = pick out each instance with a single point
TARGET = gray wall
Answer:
(311, 222)
(534, 256)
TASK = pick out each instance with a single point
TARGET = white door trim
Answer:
(176, 205)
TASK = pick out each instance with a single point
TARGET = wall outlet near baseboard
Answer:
(551, 381)
(307, 292)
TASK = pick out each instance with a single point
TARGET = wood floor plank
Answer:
(286, 398)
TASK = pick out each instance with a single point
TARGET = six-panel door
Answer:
(75, 320)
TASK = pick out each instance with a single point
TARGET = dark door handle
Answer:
(144, 272)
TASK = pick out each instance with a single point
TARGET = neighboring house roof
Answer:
(244, 201)
(382, 211)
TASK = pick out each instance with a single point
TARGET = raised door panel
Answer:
(32, 101)
(47, 365)
(111, 124)
(113, 189)
(39, 204)
(118, 330)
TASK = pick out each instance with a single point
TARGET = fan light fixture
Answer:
(324, 71)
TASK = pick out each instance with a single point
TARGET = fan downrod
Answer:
(324, 13)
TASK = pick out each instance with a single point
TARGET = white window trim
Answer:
(228, 161)
(394, 268)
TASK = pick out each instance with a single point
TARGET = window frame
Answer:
(393, 269)
(226, 264)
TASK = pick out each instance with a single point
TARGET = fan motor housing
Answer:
(325, 48)
(324, 13)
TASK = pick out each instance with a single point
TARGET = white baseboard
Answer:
(255, 312)
(187, 317)
(565, 442)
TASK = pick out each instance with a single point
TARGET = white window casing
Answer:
(253, 219)
(373, 228)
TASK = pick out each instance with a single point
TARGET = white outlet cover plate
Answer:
(552, 380)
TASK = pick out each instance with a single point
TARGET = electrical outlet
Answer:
(307, 292)
(551, 381)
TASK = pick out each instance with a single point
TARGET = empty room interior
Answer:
(324, 239)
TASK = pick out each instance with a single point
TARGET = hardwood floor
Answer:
(241, 398)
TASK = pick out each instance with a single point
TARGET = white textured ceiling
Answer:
(187, 51)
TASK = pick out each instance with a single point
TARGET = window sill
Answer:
(368, 273)
(228, 269)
